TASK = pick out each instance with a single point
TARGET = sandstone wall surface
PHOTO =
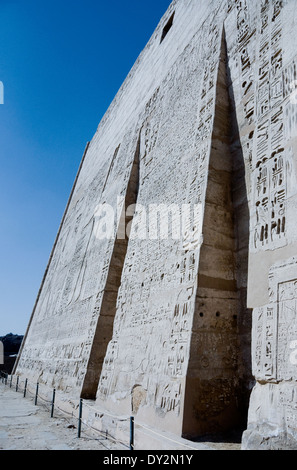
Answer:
(161, 326)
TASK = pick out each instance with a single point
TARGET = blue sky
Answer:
(61, 63)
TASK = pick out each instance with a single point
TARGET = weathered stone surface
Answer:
(161, 326)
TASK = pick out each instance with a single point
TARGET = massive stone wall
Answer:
(160, 324)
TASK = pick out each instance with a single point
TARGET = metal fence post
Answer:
(25, 389)
(36, 394)
(53, 403)
(132, 433)
(17, 384)
(10, 385)
(79, 418)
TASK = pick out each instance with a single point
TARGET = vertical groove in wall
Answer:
(217, 381)
(104, 329)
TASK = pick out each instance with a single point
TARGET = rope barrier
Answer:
(26, 389)
(164, 437)
(101, 442)
(106, 434)
(15, 381)
(104, 413)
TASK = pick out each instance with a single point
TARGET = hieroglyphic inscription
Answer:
(178, 341)
(287, 329)
(264, 343)
(270, 176)
(171, 397)
(288, 400)
(275, 333)
(270, 206)
(153, 305)
(106, 376)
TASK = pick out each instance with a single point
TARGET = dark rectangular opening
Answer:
(167, 27)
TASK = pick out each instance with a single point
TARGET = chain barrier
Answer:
(50, 405)
(24, 387)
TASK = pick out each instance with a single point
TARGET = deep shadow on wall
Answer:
(219, 377)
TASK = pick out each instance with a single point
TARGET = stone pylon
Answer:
(171, 289)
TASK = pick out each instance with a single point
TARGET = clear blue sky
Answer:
(61, 63)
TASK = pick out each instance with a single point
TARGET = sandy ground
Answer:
(24, 426)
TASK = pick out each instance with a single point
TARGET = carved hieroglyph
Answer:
(274, 362)
(202, 135)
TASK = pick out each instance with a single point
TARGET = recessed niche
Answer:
(167, 27)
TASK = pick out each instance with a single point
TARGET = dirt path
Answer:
(24, 426)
